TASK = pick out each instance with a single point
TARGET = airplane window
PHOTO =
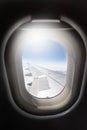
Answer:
(44, 61)
(44, 67)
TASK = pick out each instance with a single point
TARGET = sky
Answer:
(46, 52)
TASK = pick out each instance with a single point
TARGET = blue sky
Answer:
(48, 51)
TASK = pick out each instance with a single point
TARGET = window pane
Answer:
(44, 68)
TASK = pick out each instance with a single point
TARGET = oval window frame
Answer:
(82, 35)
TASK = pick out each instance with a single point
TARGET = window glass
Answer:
(44, 68)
